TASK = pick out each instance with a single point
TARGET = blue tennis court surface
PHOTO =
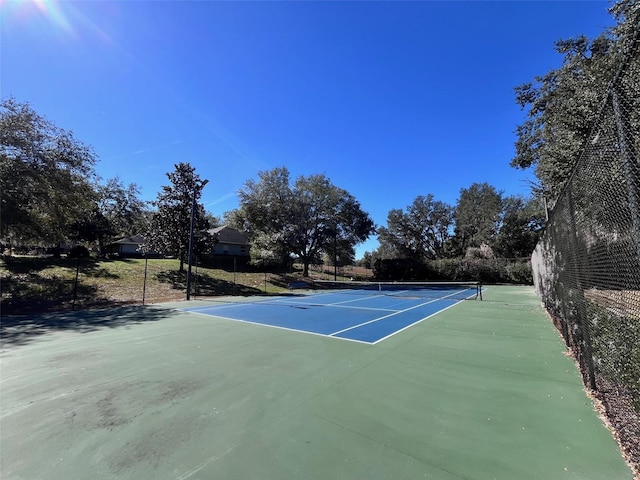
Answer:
(367, 317)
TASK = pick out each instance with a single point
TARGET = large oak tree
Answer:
(46, 177)
(420, 232)
(477, 217)
(307, 218)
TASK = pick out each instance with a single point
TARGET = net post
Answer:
(479, 287)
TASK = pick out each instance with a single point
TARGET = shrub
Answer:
(79, 251)
(486, 270)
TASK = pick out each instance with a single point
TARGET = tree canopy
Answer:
(46, 176)
(116, 212)
(477, 216)
(307, 219)
(121, 207)
(50, 191)
(562, 104)
(430, 229)
(422, 231)
(521, 224)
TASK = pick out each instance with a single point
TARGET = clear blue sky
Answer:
(390, 100)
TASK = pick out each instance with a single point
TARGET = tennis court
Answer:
(364, 312)
(481, 390)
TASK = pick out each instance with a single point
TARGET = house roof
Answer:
(230, 235)
(134, 240)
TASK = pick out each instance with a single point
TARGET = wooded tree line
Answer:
(484, 223)
(50, 192)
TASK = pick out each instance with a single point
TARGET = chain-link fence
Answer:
(587, 264)
(32, 285)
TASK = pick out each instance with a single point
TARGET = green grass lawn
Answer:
(32, 284)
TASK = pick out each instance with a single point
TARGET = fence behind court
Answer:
(587, 264)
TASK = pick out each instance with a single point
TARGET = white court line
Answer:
(214, 307)
(336, 305)
(222, 305)
(282, 301)
(251, 322)
(359, 299)
(416, 322)
(396, 313)
(421, 320)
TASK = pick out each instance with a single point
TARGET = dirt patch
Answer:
(153, 446)
(173, 392)
(119, 405)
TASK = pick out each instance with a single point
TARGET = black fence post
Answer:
(144, 282)
(75, 285)
(581, 307)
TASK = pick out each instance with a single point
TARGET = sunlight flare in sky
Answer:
(45, 17)
(41, 14)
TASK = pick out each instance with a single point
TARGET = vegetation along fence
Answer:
(586, 266)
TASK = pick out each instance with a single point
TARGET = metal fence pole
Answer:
(193, 211)
(583, 322)
(144, 282)
(75, 285)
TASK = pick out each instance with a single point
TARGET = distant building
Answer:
(129, 247)
(230, 242)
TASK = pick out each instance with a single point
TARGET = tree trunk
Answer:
(305, 267)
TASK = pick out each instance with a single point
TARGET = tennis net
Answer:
(436, 290)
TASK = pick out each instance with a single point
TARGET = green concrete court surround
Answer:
(483, 390)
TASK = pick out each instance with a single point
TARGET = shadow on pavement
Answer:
(21, 330)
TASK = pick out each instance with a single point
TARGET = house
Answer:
(127, 247)
(230, 242)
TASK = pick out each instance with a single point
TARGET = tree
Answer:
(339, 254)
(45, 177)
(386, 250)
(367, 260)
(93, 227)
(169, 229)
(234, 219)
(562, 105)
(477, 216)
(420, 232)
(116, 212)
(305, 219)
(522, 222)
(121, 207)
(214, 221)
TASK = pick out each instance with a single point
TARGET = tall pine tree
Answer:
(169, 228)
